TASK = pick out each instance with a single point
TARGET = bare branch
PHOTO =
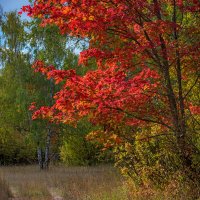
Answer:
(192, 86)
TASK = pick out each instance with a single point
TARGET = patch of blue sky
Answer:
(14, 5)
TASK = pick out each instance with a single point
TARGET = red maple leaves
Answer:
(135, 46)
(102, 94)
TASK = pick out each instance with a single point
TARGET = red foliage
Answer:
(130, 41)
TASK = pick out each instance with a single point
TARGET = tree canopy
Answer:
(147, 58)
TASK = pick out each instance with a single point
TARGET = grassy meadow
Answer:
(78, 183)
(73, 183)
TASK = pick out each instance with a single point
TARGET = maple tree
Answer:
(146, 52)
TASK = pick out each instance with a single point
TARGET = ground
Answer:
(73, 183)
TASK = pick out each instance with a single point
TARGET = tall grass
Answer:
(73, 183)
(84, 183)
(5, 192)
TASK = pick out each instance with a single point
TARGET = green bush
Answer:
(149, 157)
(73, 151)
(16, 148)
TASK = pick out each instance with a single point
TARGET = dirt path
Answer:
(14, 193)
(56, 193)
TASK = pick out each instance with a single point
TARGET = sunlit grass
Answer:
(68, 182)
(82, 183)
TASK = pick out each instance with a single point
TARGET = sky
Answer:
(11, 5)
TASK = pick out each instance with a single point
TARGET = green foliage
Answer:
(72, 152)
(75, 149)
(22, 43)
(150, 158)
(15, 139)
(16, 148)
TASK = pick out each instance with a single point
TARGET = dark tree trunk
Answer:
(176, 104)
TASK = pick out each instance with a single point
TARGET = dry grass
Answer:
(82, 183)
(5, 192)
(73, 183)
